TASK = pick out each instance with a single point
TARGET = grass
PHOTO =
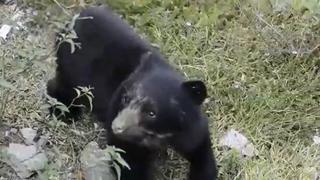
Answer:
(261, 69)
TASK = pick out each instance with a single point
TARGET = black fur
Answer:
(113, 59)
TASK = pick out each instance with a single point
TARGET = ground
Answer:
(261, 67)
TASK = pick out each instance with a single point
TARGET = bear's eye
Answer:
(152, 114)
(149, 111)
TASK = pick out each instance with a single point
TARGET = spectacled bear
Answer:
(144, 103)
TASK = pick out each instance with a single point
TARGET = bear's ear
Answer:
(196, 89)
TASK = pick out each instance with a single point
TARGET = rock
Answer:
(235, 140)
(36, 163)
(95, 163)
(14, 130)
(21, 152)
(24, 159)
(4, 31)
(28, 135)
(316, 140)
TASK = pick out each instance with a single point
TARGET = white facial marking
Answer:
(128, 117)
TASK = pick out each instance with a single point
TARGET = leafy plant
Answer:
(117, 161)
(83, 92)
(67, 33)
(80, 93)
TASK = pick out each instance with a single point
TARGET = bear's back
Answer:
(108, 28)
(109, 47)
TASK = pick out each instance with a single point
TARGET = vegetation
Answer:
(260, 60)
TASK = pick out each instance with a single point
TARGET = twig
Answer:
(269, 25)
(62, 7)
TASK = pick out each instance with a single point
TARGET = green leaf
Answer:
(118, 171)
(63, 108)
(113, 148)
(90, 102)
(58, 103)
(90, 93)
(77, 91)
(121, 161)
(72, 45)
(45, 106)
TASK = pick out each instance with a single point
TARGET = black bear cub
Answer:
(143, 102)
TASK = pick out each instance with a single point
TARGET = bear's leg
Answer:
(56, 89)
(139, 170)
(202, 162)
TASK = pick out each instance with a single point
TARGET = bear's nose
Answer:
(116, 129)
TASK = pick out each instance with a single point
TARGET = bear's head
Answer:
(156, 107)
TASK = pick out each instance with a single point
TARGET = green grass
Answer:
(261, 73)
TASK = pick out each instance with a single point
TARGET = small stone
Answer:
(21, 152)
(95, 163)
(316, 140)
(24, 159)
(237, 85)
(28, 135)
(14, 130)
(235, 140)
(37, 162)
(4, 31)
